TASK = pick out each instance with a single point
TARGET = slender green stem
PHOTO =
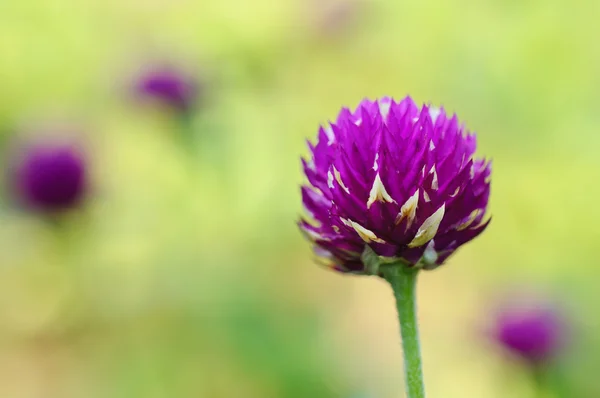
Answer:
(404, 282)
(548, 381)
(187, 133)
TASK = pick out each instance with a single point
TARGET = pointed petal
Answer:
(430, 226)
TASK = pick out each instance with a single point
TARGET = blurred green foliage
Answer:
(184, 274)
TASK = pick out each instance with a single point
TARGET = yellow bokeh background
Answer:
(184, 274)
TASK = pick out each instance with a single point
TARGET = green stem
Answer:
(187, 133)
(404, 282)
(547, 381)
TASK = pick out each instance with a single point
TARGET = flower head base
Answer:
(168, 86)
(396, 180)
(51, 178)
(534, 333)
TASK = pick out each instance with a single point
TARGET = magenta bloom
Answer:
(169, 86)
(51, 178)
(535, 334)
(398, 179)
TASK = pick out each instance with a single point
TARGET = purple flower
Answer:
(51, 178)
(534, 333)
(169, 86)
(400, 180)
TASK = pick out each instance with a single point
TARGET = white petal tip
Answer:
(366, 235)
(378, 193)
(427, 231)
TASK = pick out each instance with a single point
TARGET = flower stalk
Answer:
(404, 282)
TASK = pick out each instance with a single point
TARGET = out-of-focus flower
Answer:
(168, 85)
(397, 179)
(336, 17)
(51, 177)
(534, 332)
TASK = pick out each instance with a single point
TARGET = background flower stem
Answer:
(404, 283)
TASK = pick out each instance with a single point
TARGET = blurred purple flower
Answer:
(535, 333)
(400, 180)
(171, 87)
(51, 177)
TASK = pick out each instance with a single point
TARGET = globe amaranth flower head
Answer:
(51, 177)
(168, 85)
(534, 332)
(395, 180)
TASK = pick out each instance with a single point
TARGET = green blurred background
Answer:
(184, 274)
